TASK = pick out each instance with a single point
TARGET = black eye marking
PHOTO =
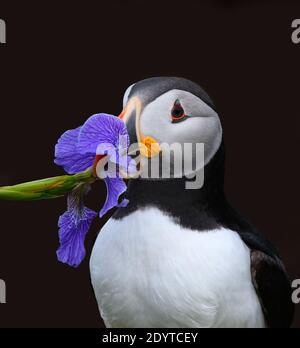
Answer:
(177, 112)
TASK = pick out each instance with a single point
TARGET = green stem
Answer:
(46, 188)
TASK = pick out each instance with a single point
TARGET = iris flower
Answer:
(77, 150)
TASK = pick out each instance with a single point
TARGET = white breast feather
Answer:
(147, 271)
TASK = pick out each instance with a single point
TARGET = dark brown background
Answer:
(63, 63)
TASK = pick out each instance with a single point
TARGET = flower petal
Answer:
(101, 128)
(72, 232)
(115, 187)
(67, 155)
(73, 227)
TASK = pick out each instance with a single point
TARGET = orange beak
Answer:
(149, 147)
(122, 114)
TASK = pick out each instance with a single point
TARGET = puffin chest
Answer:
(148, 271)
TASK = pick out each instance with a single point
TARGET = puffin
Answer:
(179, 255)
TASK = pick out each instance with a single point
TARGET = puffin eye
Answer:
(177, 112)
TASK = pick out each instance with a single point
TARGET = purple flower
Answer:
(106, 135)
(102, 135)
(73, 227)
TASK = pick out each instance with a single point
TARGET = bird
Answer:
(179, 257)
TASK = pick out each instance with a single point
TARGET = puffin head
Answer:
(163, 114)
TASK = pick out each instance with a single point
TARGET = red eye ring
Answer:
(176, 118)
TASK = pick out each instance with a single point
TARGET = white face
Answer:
(200, 125)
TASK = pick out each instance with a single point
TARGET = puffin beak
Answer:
(131, 115)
